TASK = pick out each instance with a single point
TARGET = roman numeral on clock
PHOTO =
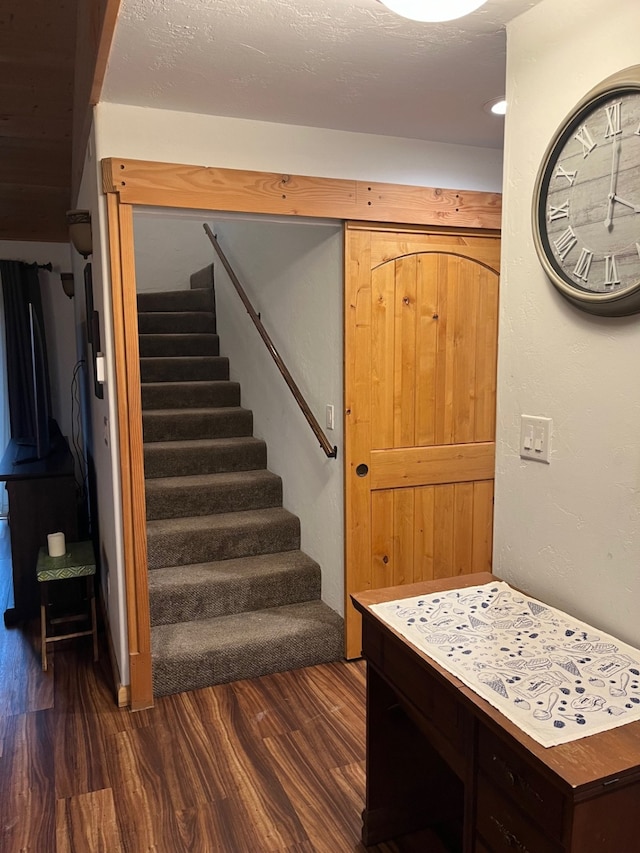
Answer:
(614, 124)
(610, 270)
(560, 212)
(565, 243)
(561, 172)
(583, 265)
(584, 138)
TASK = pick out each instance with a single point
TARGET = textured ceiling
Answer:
(342, 64)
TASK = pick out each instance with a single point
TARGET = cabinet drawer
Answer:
(504, 827)
(533, 793)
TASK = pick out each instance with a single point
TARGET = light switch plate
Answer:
(535, 438)
(330, 416)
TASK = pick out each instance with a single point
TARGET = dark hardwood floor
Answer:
(275, 764)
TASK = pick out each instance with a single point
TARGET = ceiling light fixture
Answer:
(498, 106)
(432, 11)
(79, 222)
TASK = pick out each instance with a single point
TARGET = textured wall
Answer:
(568, 532)
(180, 137)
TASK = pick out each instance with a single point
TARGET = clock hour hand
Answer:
(615, 161)
(634, 207)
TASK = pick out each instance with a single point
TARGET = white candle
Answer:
(56, 543)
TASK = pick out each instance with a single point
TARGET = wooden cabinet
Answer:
(440, 756)
(42, 500)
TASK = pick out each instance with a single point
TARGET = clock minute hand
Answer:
(634, 207)
(615, 160)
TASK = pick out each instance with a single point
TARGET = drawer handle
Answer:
(512, 840)
(515, 780)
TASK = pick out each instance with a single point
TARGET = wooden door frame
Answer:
(129, 182)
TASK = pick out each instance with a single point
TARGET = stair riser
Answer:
(180, 300)
(193, 369)
(178, 426)
(221, 597)
(176, 322)
(184, 462)
(184, 395)
(182, 503)
(167, 346)
(205, 546)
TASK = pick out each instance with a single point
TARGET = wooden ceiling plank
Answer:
(39, 25)
(29, 166)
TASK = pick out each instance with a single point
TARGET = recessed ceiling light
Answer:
(498, 106)
(433, 10)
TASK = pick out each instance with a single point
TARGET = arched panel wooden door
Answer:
(421, 318)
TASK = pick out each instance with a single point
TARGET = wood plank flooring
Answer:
(264, 766)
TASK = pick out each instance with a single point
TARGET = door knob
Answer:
(362, 470)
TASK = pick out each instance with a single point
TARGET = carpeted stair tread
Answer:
(204, 538)
(200, 394)
(185, 344)
(187, 656)
(155, 322)
(185, 424)
(207, 494)
(183, 368)
(207, 590)
(204, 456)
(201, 299)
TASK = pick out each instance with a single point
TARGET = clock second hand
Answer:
(615, 159)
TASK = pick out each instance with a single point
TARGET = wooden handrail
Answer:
(331, 452)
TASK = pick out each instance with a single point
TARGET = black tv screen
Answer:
(37, 444)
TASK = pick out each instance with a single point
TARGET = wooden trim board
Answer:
(208, 188)
(125, 330)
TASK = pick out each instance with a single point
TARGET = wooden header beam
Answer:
(201, 187)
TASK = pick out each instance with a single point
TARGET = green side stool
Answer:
(78, 562)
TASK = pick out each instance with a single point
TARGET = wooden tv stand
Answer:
(438, 755)
(42, 499)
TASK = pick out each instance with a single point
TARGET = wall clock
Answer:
(586, 204)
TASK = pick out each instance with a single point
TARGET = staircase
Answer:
(231, 594)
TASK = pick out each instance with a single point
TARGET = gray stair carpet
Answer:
(231, 594)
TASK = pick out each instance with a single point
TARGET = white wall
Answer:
(59, 319)
(568, 532)
(174, 137)
(168, 249)
(101, 426)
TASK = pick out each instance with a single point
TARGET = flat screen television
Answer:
(36, 445)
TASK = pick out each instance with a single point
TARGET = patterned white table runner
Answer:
(553, 676)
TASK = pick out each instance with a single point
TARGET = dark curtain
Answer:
(20, 285)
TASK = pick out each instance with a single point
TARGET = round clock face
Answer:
(587, 204)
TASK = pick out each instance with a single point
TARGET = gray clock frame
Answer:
(612, 304)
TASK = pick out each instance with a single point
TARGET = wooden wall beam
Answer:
(201, 187)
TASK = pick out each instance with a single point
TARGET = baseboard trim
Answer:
(123, 691)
